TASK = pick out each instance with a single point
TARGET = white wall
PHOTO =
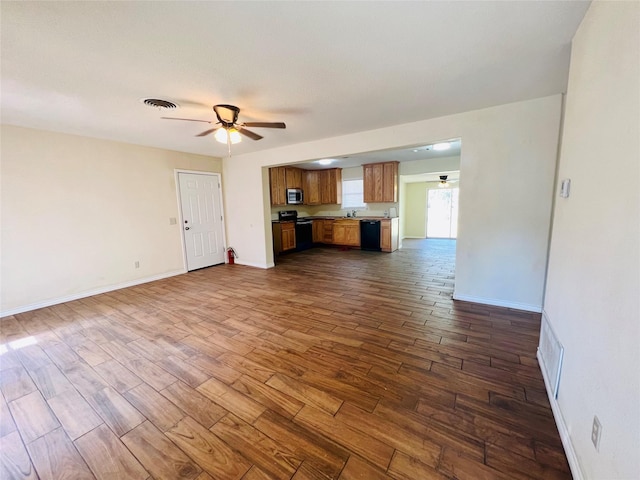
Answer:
(78, 212)
(503, 232)
(431, 165)
(593, 286)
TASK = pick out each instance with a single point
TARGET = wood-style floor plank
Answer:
(107, 456)
(194, 404)
(74, 413)
(269, 456)
(55, 457)
(33, 416)
(159, 455)
(14, 459)
(325, 456)
(357, 469)
(213, 454)
(364, 444)
(336, 364)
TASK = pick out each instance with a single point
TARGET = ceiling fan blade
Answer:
(207, 132)
(250, 134)
(265, 124)
(187, 119)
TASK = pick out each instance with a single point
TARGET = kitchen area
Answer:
(307, 209)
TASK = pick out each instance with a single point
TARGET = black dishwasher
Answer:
(370, 235)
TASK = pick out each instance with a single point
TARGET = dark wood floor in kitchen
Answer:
(335, 364)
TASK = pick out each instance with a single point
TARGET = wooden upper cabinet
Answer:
(311, 189)
(390, 182)
(278, 186)
(380, 182)
(293, 177)
(319, 186)
(330, 186)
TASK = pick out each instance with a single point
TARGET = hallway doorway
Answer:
(442, 212)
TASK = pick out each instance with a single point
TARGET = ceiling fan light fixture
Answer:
(231, 134)
(442, 146)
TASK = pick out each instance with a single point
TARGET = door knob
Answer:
(186, 228)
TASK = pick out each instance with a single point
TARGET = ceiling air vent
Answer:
(157, 103)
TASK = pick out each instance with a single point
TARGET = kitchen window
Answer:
(353, 193)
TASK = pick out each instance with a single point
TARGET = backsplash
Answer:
(371, 210)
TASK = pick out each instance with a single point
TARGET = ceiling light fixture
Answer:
(231, 134)
(325, 161)
(443, 181)
(442, 146)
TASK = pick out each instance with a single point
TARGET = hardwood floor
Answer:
(335, 364)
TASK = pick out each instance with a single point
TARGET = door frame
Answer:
(176, 173)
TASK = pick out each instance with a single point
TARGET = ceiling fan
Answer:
(444, 183)
(229, 130)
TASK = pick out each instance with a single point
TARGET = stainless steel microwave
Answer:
(294, 196)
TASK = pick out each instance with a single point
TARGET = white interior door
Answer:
(201, 219)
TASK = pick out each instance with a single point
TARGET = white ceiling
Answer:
(324, 68)
(410, 153)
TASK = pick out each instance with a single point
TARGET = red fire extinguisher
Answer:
(231, 255)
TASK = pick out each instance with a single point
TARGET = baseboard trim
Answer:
(499, 303)
(88, 293)
(254, 264)
(565, 437)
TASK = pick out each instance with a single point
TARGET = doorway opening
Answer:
(442, 212)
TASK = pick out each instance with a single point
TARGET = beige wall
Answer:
(414, 209)
(502, 246)
(592, 297)
(78, 212)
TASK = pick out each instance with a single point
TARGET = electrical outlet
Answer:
(596, 433)
(137, 264)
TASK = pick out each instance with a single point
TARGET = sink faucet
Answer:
(353, 213)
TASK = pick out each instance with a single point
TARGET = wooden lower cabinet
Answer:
(318, 231)
(284, 237)
(346, 232)
(389, 230)
(288, 236)
(335, 232)
(327, 231)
